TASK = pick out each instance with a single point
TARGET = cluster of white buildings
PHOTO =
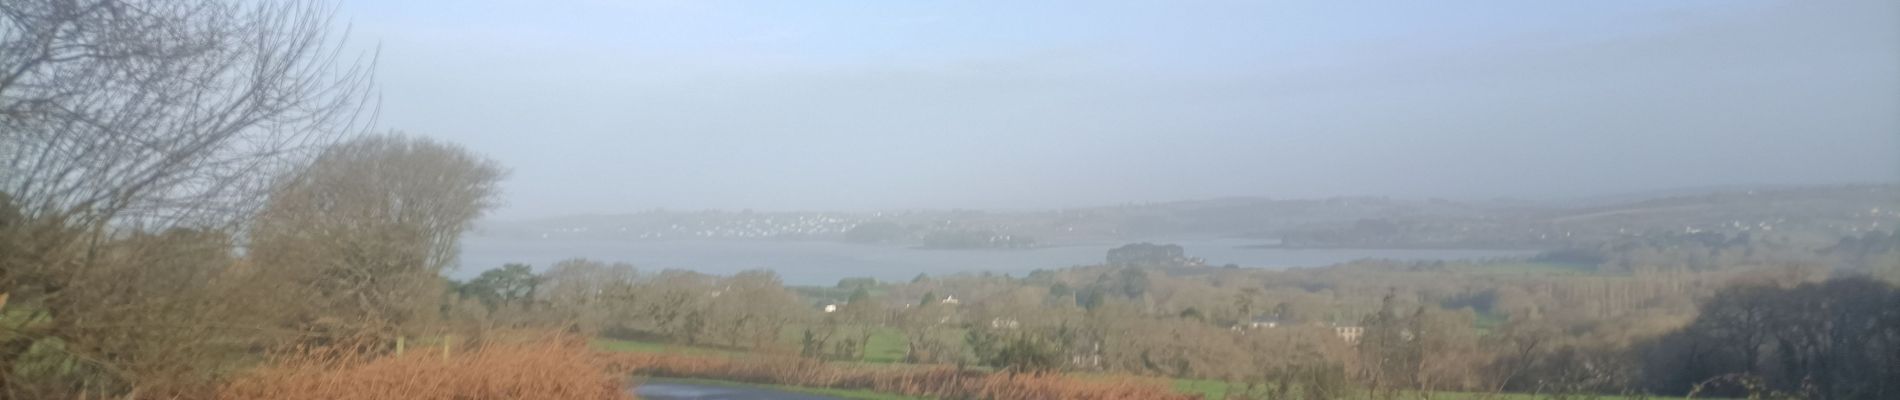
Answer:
(722, 226)
(1349, 333)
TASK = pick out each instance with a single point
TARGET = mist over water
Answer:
(615, 107)
(823, 263)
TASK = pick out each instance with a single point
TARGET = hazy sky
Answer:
(618, 106)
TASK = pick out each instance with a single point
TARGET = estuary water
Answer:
(823, 263)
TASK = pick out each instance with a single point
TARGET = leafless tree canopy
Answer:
(164, 108)
(366, 230)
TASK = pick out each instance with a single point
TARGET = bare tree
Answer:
(750, 308)
(365, 231)
(673, 304)
(133, 135)
(588, 294)
(924, 326)
(166, 108)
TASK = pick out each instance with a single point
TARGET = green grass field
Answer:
(1208, 389)
(617, 345)
(888, 347)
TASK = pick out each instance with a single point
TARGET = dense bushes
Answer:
(1838, 339)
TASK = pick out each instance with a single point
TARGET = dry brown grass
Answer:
(934, 382)
(548, 368)
(555, 367)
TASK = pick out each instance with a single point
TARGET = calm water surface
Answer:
(690, 391)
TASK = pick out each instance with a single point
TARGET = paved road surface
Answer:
(688, 391)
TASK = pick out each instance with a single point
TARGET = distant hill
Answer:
(1821, 213)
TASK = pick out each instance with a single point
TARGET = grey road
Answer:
(663, 390)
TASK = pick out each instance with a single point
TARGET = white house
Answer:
(1350, 333)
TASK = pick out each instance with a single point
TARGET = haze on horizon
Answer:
(609, 106)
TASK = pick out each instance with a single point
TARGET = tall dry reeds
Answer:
(553, 367)
(549, 368)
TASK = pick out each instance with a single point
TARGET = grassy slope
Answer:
(891, 351)
(652, 347)
(886, 346)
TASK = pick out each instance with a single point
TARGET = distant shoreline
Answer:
(1273, 246)
(1039, 246)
